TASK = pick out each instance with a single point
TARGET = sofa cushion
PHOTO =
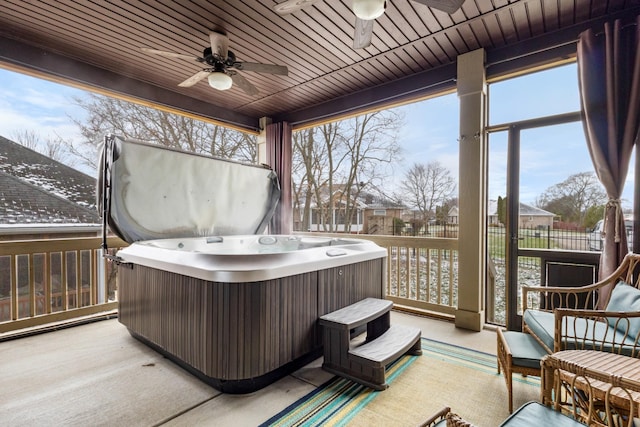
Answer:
(542, 324)
(625, 298)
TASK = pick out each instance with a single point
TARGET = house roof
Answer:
(35, 189)
(47, 173)
(525, 210)
(373, 201)
(413, 52)
(24, 203)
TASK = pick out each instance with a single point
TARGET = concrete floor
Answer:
(98, 375)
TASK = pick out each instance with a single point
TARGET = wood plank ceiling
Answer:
(413, 50)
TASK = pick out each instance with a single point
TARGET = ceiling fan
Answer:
(366, 12)
(221, 65)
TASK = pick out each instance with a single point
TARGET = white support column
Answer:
(473, 189)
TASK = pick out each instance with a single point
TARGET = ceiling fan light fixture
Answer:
(368, 9)
(219, 80)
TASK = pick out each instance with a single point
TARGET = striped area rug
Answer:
(340, 402)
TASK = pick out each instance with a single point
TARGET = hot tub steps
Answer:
(365, 363)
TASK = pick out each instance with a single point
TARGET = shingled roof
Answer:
(35, 189)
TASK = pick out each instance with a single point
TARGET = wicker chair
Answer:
(564, 318)
(574, 403)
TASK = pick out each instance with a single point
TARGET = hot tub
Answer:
(238, 310)
(239, 313)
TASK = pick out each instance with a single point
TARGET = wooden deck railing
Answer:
(44, 281)
(422, 272)
(421, 275)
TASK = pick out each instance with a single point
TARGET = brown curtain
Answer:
(609, 79)
(279, 148)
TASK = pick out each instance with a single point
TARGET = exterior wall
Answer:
(380, 224)
(535, 221)
(339, 228)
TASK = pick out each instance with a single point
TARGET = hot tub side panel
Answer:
(239, 337)
(348, 284)
(226, 331)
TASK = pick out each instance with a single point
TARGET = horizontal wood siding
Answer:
(345, 285)
(227, 331)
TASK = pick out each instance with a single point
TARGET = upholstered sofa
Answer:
(567, 318)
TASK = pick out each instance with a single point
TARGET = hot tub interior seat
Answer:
(248, 245)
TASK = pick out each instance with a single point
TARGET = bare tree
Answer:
(309, 172)
(427, 186)
(52, 147)
(27, 138)
(372, 145)
(572, 198)
(336, 161)
(110, 115)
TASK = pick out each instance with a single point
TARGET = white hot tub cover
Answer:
(149, 191)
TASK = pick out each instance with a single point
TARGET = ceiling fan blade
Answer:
(291, 6)
(168, 54)
(194, 79)
(364, 31)
(262, 68)
(242, 83)
(219, 44)
(449, 6)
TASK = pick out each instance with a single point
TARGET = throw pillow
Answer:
(625, 298)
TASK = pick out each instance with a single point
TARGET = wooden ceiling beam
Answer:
(18, 56)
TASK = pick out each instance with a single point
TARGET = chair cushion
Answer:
(535, 414)
(525, 350)
(542, 324)
(625, 298)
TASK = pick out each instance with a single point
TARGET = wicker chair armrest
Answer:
(438, 416)
(617, 339)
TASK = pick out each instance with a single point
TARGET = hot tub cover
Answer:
(149, 191)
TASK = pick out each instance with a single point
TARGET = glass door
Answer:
(543, 196)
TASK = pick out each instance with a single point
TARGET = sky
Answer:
(429, 133)
(548, 155)
(32, 104)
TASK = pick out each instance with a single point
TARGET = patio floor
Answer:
(97, 374)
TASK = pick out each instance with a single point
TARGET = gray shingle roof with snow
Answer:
(37, 189)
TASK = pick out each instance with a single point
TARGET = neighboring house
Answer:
(317, 222)
(337, 215)
(43, 198)
(452, 216)
(372, 216)
(530, 216)
(380, 216)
